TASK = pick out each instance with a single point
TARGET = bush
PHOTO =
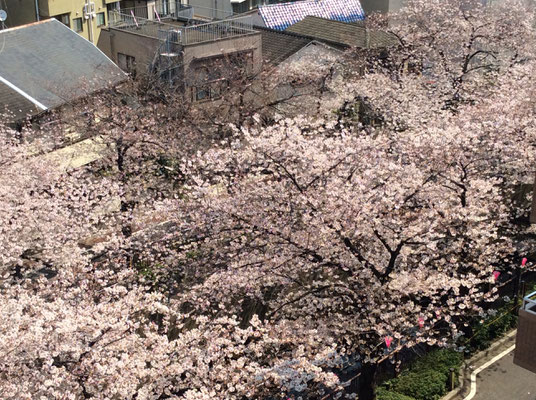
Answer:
(384, 394)
(422, 385)
(439, 360)
(426, 379)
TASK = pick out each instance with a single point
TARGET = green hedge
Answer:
(384, 394)
(441, 360)
(426, 379)
(421, 385)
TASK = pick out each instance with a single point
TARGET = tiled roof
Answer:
(48, 64)
(278, 46)
(281, 16)
(351, 35)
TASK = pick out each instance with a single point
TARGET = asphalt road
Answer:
(505, 381)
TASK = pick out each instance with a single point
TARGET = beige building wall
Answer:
(114, 42)
(70, 12)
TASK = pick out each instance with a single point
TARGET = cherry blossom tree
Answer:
(178, 266)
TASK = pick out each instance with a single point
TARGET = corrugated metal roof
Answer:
(351, 35)
(281, 16)
(52, 64)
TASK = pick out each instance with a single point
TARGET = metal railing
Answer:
(139, 12)
(215, 30)
(183, 35)
(529, 303)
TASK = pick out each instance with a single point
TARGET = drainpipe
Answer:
(89, 13)
(37, 10)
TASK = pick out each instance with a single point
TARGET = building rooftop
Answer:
(278, 45)
(281, 16)
(46, 64)
(346, 34)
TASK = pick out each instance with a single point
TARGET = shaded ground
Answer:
(505, 381)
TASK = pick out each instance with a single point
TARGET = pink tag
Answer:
(421, 322)
(496, 275)
(523, 261)
(388, 340)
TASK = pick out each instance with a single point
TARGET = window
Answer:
(211, 91)
(101, 19)
(126, 63)
(64, 19)
(78, 25)
(202, 93)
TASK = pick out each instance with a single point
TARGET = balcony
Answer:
(525, 352)
(177, 34)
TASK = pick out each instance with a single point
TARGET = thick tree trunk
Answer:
(367, 382)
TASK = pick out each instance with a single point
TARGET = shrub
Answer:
(384, 394)
(441, 360)
(422, 385)
(426, 379)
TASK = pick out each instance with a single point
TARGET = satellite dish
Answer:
(3, 15)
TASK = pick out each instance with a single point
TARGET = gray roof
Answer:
(13, 106)
(48, 64)
(277, 45)
(314, 53)
(347, 34)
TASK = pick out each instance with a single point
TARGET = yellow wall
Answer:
(23, 12)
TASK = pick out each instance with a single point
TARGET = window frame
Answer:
(60, 17)
(129, 63)
(75, 27)
(103, 18)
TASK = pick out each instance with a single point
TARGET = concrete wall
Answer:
(218, 9)
(216, 48)
(381, 6)
(143, 48)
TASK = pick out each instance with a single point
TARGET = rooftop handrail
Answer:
(184, 35)
(529, 303)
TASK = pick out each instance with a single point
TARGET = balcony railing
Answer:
(529, 303)
(183, 35)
